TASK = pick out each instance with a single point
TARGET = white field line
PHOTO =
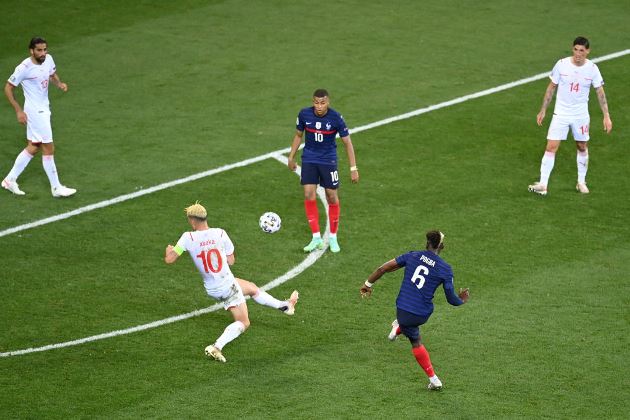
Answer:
(295, 271)
(249, 161)
(278, 155)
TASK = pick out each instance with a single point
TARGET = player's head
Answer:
(320, 102)
(38, 48)
(581, 48)
(197, 214)
(435, 241)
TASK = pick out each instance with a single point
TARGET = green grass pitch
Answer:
(162, 90)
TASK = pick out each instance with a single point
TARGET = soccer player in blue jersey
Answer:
(424, 272)
(319, 163)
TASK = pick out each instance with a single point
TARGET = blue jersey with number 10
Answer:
(320, 146)
(424, 272)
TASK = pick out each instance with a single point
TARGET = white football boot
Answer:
(215, 353)
(537, 188)
(292, 301)
(62, 191)
(12, 186)
(582, 188)
(392, 334)
(435, 384)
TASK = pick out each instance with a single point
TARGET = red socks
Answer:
(312, 215)
(333, 216)
(422, 356)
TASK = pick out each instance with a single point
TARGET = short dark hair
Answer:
(36, 40)
(580, 40)
(320, 93)
(434, 238)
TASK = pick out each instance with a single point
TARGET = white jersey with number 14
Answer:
(574, 83)
(209, 250)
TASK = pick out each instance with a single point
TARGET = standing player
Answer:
(34, 74)
(424, 272)
(573, 76)
(319, 163)
(212, 252)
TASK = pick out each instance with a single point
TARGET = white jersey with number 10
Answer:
(209, 250)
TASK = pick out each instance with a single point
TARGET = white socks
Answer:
(582, 166)
(22, 160)
(231, 332)
(51, 170)
(266, 299)
(546, 166)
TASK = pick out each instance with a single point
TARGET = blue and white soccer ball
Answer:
(270, 222)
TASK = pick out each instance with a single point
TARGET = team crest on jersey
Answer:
(318, 125)
(328, 126)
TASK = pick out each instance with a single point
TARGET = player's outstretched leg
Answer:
(422, 357)
(264, 298)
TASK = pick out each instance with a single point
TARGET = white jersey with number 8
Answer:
(209, 250)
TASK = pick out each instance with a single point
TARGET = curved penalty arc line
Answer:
(293, 272)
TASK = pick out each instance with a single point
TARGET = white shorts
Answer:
(38, 129)
(559, 128)
(232, 296)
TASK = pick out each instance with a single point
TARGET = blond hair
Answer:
(196, 210)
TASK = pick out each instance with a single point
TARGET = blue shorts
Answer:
(324, 175)
(410, 323)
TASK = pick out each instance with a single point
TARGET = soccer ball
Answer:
(270, 222)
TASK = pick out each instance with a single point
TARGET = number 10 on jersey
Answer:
(206, 259)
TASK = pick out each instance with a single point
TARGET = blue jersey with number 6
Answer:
(424, 272)
(320, 146)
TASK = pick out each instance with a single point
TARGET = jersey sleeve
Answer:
(18, 75)
(53, 67)
(555, 74)
(401, 260)
(299, 123)
(342, 127)
(227, 244)
(449, 290)
(184, 241)
(598, 80)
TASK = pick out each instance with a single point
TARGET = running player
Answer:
(34, 74)
(573, 77)
(212, 251)
(424, 272)
(319, 163)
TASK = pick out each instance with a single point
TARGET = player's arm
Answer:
(8, 92)
(172, 253)
(231, 259)
(388, 267)
(455, 299)
(57, 82)
(295, 145)
(551, 88)
(352, 160)
(603, 104)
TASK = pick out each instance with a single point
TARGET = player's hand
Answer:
(291, 164)
(169, 248)
(463, 294)
(63, 86)
(366, 292)
(354, 176)
(607, 124)
(540, 117)
(21, 117)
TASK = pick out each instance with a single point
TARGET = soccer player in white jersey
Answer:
(573, 77)
(34, 74)
(212, 251)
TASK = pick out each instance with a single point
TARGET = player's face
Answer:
(321, 105)
(39, 52)
(580, 52)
